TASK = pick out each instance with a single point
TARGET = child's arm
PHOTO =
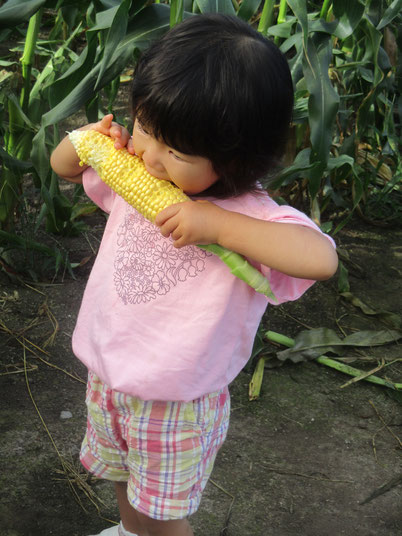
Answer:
(64, 159)
(292, 249)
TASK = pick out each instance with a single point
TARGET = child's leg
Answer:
(143, 525)
(128, 515)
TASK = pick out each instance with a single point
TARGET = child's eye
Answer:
(141, 128)
(177, 157)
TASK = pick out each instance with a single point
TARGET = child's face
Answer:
(193, 174)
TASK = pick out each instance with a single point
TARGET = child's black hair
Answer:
(214, 87)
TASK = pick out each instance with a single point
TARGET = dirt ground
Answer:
(300, 460)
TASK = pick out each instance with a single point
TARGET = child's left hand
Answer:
(191, 222)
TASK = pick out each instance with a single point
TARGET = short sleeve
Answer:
(97, 190)
(285, 287)
(259, 205)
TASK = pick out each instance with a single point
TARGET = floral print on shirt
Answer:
(147, 265)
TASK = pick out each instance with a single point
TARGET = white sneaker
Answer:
(112, 531)
(116, 530)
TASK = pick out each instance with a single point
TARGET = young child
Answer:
(164, 327)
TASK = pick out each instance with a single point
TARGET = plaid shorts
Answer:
(164, 450)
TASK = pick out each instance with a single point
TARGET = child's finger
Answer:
(103, 126)
(181, 242)
(169, 227)
(124, 137)
(106, 121)
(167, 213)
(120, 135)
(130, 146)
(115, 131)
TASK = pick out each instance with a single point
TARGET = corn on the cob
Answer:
(127, 176)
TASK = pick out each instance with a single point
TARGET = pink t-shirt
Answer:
(162, 323)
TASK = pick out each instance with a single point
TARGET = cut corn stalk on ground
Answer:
(127, 176)
(254, 387)
(332, 363)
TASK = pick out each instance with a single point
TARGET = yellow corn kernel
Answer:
(125, 173)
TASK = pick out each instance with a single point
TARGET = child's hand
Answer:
(120, 135)
(191, 222)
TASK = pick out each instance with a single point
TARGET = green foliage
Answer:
(347, 74)
(69, 56)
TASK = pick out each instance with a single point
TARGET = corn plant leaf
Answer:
(150, 23)
(46, 77)
(372, 47)
(50, 210)
(18, 112)
(392, 320)
(296, 64)
(372, 338)
(14, 163)
(15, 12)
(176, 12)
(216, 6)
(299, 169)
(390, 13)
(310, 344)
(109, 3)
(104, 19)
(349, 15)
(82, 209)
(323, 104)
(69, 80)
(293, 41)
(40, 154)
(285, 29)
(339, 161)
(299, 8)
(4, 63)
(137, 6)
(343, 279)
(248, 8)
(321, 25)
(116, 33)
(258, 344)
(15, 241)
(395, 395)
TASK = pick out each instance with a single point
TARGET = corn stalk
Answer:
(10, 189)
(267, 16)
(332, 363)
